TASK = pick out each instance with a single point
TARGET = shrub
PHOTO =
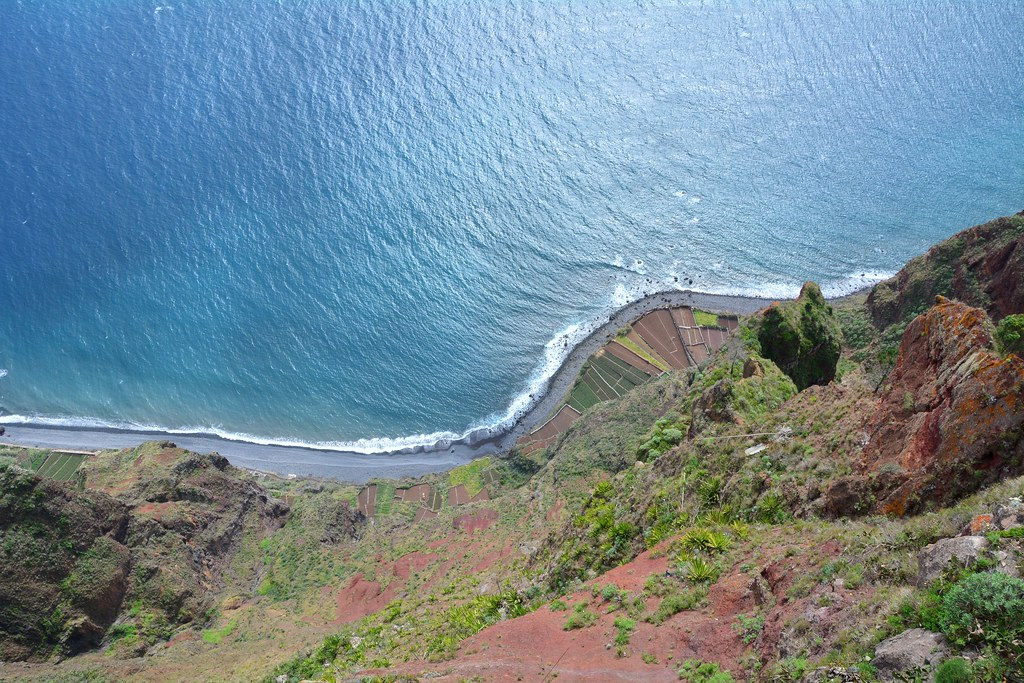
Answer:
(956, 670)
(985, 609)
(674, 603)
(802, 337)
(700, 570)
(750, 627)
(665, 436)
(696, 671)
(1010, 334)
(579, 618)
(625, 627)
(559, 606)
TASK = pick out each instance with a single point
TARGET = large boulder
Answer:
(933, 559)
(952, 417)
(802, 337)
(911, 652)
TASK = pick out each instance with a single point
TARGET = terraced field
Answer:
(465, 484)
(660, 341)
(57, 465)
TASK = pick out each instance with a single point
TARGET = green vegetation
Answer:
(604, 377)
(471, 475)
(624, 627)
(676, 602)
(985, 609)
(955, 670)
(579, 618)
(665, 435)
(213, 636)
(696, 671)
(704, 318)
(802, 337)
(635, 348)
(750, 627)
(1010, 334)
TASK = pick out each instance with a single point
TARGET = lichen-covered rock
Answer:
(952, 418)
(913, 651)
(802, 337)
(982, 266)
(935, 558)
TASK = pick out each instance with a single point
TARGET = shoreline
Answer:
(357, 468)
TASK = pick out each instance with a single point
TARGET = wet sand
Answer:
(360, 467)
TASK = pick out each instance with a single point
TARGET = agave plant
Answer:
(740, 530)
(717, 542)
(697, 538)
(701, 571)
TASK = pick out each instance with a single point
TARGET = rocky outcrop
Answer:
(64, 566)
(982, 266)
(933, 559)
(802, 337)
(916, 651)
(951, 420)
(158, 528)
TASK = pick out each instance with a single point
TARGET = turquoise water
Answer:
(338, 222)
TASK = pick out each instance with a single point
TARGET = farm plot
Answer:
(604, 376)
(57, 465)
(544, 436)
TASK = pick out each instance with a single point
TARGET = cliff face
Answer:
(982, 266)
(63, 563)
(950, 420)
(151, 543)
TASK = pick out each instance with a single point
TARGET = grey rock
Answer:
(934, 558)
(1009, 516)
(916, 650)
(1007, 562)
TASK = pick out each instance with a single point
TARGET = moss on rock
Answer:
(802, 337)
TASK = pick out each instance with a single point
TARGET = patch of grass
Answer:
(674, 603)
(559, 605)
(470, 475)
(579, 618)
(696, 671)
(214, 635)
(704, 318)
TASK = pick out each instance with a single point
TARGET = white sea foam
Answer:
(555, 353)
(3, 372)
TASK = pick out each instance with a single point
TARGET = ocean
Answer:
(367, 225)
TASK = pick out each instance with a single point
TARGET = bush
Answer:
(1010, 334)
(985, 609)
(579, 618)
(956, 670)
(802, 337)
(674, 603)
(696, 671)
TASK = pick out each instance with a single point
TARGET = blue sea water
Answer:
(350, 221)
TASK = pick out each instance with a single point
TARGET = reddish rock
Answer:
(951, 422)
(476, 521)
(979, 525)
